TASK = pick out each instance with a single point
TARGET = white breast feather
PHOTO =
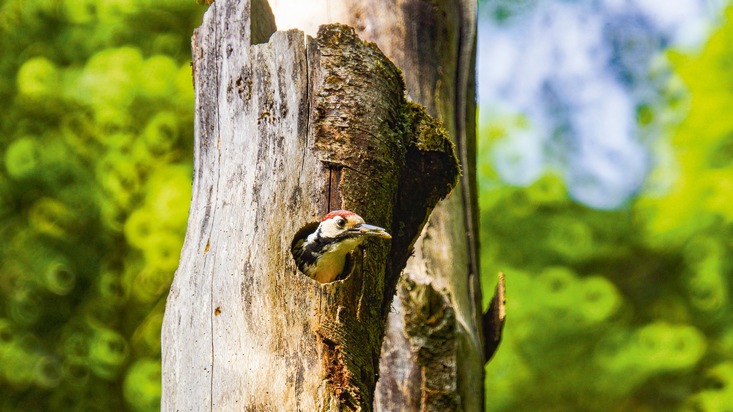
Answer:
(331, 263)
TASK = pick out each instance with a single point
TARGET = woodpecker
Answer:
(322, 250)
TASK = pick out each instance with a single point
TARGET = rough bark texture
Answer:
(286, 131)
(433, 43)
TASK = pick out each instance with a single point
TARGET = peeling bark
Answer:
(493, 319)
(285, 131)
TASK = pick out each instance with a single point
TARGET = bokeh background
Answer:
(606, 194)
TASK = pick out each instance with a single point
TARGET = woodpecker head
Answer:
(322, 251)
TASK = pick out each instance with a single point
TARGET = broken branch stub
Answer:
(493, 319)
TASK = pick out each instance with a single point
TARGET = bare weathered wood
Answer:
(285, 131)
(433, 43)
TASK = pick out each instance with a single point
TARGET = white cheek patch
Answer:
(329, 229)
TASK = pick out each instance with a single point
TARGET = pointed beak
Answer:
(370, 230)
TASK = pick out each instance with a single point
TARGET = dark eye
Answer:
(341, 222)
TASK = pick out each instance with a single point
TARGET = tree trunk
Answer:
(286, 131)
(423, 367)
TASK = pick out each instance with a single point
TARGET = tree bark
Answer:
(286, 131)
(434, 44)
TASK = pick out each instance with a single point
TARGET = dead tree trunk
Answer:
(285, 131)
(434, 351)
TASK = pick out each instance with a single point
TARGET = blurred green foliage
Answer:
(96, 135)
(627, 309)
